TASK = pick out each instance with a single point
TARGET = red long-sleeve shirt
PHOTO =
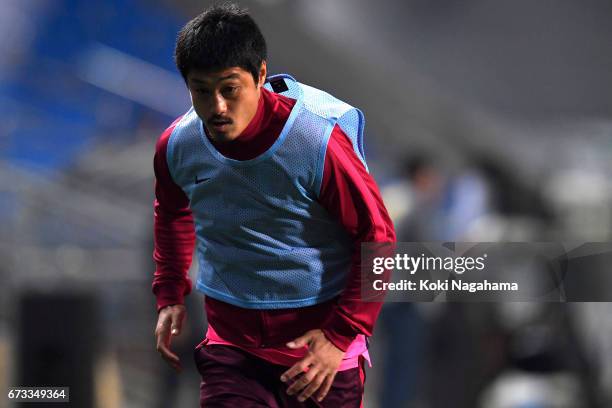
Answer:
(348, 193)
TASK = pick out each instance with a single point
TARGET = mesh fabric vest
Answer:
(263, 240)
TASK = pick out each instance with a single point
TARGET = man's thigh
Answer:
(345, 392)
(232, 378)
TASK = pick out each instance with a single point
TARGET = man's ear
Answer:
(263, 72)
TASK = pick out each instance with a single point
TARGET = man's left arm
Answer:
(350, 194)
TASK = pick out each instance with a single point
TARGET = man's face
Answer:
(225, 100)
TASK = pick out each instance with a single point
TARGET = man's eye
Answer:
(230, 90)
(202, 91)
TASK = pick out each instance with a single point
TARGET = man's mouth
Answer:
(220, 124)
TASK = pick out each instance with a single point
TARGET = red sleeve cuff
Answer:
(170, 295)
(339, 331)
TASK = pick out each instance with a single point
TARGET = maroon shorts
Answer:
(233, 378)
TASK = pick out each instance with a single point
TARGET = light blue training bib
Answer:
(263, 240)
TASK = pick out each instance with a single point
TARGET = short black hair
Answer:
(416, 163)
(221, 37)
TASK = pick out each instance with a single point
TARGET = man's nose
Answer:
(219, 104)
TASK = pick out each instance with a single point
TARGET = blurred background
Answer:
(486, 121)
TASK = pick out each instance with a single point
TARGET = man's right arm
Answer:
(174, 233)
(174, 238)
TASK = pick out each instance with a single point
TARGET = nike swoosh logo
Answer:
(198, 181)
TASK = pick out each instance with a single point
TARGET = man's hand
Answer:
(169, 323)
(317, 369)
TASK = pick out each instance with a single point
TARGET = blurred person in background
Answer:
(444, 204)
(403, 324)
(493, 355)
(433, 346)
(275, 191)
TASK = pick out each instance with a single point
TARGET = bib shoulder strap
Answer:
(349, 118)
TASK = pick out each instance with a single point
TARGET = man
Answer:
(269, 178)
